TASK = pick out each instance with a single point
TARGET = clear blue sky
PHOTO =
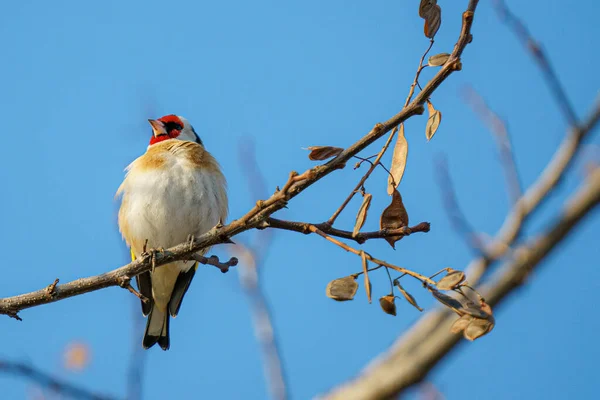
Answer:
(79, 80)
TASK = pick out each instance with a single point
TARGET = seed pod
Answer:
(342, 289)
(394, 217)
(388, 305)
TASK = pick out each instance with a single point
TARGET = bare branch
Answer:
(214, 261)
(263, 325)
(377, 161)
(540, 58)
(135, 371)
(41, 378)
(304, 227)
(249, 279)
(535, 195)
(413, 355)
(295, 185)
(498, 127)
(458, 220)
(361, 253)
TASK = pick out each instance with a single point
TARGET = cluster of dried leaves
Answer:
(476, 319)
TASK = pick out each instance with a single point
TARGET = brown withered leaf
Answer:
(438, 59)
(433, 20)
(361, 216)
(471, 308)
(409, 297)
(398, 161)
(342, 289)
(394, 217)
(388, 305)
(477, 328)
(365, 266)
(460, 324)
(446, 300)
(485, 307)
(451, 280)
(433, 122)
(425, 7)
(319, 153)
(476, 322)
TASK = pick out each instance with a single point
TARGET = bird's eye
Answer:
(173, 126)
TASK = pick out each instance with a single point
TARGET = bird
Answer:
(173, 192)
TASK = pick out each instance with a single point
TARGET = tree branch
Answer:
(43, 379)
(413, 355)
(295, 185)
(411, 358)
(539, 55)
(360, 238)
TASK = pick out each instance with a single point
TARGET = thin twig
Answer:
(263, 325)
(304, 227)
(214, 261)
(385, 146)
(458, 220)
(415, 353)
(43, 379)
(498, 127)
(535, 196)
(360, 253)
(125, 283)
(295, 185)
(135, 371)
(250, 279)
(539, 55)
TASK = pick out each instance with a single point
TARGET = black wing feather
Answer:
(144, 284)
(181, 286)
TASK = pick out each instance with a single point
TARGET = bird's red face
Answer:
(164, 128)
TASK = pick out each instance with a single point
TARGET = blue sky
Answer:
(80, 80)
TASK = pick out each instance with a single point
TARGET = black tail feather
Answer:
(157, 329)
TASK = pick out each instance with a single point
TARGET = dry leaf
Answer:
(433, 122)
(425, 7)
(342, 289)
(460, 324)
(388, 305)
(408, 296)
(438, 59)
(477, 328)
(468, 307)
(319, 153)
(446, 300)
(398, 161)
(394, 217)
(365, 265)
(361, 216)
(433, 20)
(451, 280)
(474, 326)
(485, 307)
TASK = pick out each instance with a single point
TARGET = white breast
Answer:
(166, 205)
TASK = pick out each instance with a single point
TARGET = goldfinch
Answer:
(176, 189)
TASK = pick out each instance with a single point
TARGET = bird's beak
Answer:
(158, 128)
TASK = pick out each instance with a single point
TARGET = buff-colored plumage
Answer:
(174, 190)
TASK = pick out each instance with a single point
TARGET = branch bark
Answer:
(411, 358)
(295, 185)
(305, 228)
